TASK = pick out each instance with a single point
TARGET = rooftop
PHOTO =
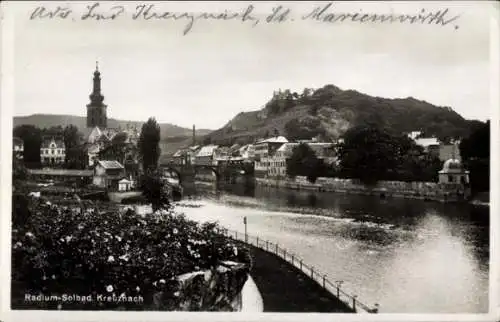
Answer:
(276, 139)
(425, 142)
(61, 172)
(59, 144)
(207, 150)
(110, 164)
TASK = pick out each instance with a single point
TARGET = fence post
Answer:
(276, 249)
(292, 259)
(257, 241)
(324, 281)
(338, 288)
(284, 254)
(354, 302)
(235, 235)
(301, 264)
(267, 245)
(312, 272)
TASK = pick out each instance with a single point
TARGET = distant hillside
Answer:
(329, 111)
(48, 120)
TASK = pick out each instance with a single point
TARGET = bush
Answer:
(57, 250)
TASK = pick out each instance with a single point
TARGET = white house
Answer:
(124, 185)
(107, 174)
(264, 151)
(52, 152)
(430, 145)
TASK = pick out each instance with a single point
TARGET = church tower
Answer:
(96, 110)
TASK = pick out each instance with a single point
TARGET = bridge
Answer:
(186, 172)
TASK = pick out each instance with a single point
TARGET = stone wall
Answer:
(211, 290)
(414, 190)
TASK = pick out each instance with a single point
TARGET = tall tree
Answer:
(370, 153)
(149, 148)
(155, 190)
(475, 153)
(74, 158)
(304, 162)
(32, 139)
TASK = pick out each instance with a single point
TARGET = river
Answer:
(410, 256)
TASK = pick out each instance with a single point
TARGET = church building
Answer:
(96, 109)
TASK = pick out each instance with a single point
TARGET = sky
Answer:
(219, 69)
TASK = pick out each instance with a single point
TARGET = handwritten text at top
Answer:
(279, 14)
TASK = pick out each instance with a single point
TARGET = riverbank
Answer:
(431, 191)
(286, 289)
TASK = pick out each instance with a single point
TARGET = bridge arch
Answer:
(182, 171)
(170, 169)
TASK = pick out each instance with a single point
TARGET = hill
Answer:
(48, 120)
(329, 111)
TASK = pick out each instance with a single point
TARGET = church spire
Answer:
(96, 110)
(96, 97)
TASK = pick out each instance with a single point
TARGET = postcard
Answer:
(249, 161)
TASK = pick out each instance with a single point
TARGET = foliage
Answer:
(155, 190)
(305, 129)
(122, 151)
(149, 148)
(475, 153)
(75, 153)
(32, 138)
(370, 153)
(303, 162)
(61, 250)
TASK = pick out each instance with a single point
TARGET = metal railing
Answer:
(334, 288)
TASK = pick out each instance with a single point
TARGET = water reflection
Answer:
(408, 255)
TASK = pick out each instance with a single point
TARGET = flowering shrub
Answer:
(59, 250)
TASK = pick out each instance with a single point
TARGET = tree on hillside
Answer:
(32, 139)
(305, 129)
(475, 153)
(371, 154)
(307, 92)
(304, 162)
(149, 148)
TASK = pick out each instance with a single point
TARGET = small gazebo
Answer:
(453, 173)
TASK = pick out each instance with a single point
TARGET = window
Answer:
(450, 179)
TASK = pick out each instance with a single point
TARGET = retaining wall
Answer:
(415, 190)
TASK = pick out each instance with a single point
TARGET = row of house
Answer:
(109, 175)
(269, 156)
(53, 149)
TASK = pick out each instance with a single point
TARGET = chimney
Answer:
(194, 136)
